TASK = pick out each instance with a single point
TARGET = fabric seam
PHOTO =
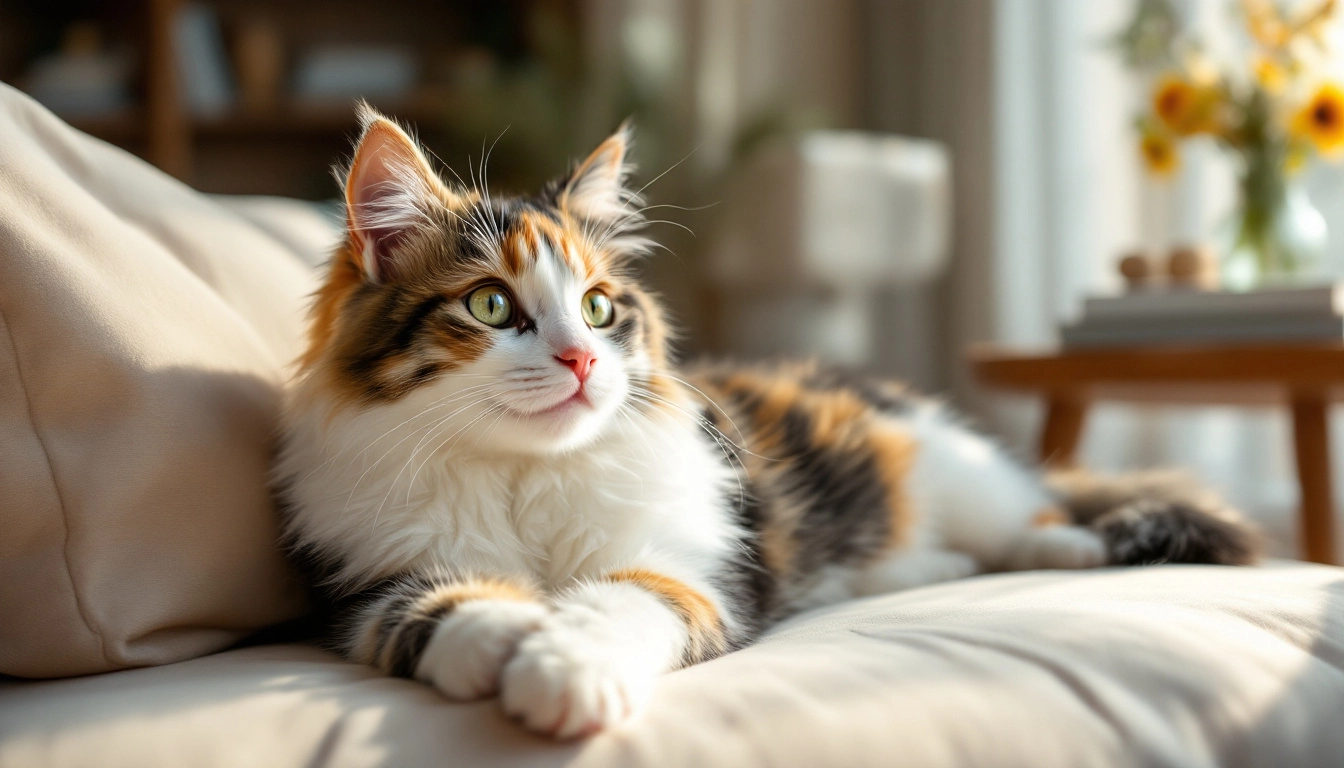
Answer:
(60, 499)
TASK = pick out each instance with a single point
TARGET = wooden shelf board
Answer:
(119, 127)
(289, 120)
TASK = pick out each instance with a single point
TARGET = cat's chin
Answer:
(570, 424)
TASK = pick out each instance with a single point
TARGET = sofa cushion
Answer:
(1168, 666)
(144, 330)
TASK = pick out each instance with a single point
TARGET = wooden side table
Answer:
(1305, 378)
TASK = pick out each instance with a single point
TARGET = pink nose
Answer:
(579, 360)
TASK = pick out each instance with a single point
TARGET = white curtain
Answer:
(1070, 197)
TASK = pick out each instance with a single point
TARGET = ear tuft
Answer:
(596, 189)
(390, 190)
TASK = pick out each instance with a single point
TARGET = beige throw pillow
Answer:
(144, 334)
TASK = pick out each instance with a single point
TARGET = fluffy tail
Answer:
(1157, 517)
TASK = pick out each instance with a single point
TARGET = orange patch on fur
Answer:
(343, 277)
(655, 325)
(559, 241)
(665, 388)
(657, 393)
(779, 547)
(703, 624)
(775, 398)
(516, 251)
(894, 453)
(836, 417)
(1050, 516)
(458, 592)
(442, 598)
(569, 241)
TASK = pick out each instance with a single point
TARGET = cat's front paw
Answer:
(566, 683)
(464, 656)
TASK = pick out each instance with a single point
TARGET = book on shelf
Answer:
(205, 77)
(1325, 299)
(1230, 329)
(1307, 313)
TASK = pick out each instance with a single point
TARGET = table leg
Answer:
(1064, 418)
(1311, 439)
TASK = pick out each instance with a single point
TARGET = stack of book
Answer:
(1308, 313)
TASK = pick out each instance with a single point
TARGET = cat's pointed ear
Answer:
(390, 190)
(596, 189)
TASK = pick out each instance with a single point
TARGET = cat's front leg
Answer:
(453, 633)
(596, 657)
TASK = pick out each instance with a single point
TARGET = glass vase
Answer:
(1278, 235)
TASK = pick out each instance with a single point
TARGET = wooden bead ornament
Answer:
(1137, 270)
(1193, 266)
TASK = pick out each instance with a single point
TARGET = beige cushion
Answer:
(1174, 666)
(143, 333)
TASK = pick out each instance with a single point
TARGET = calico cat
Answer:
(498, 483)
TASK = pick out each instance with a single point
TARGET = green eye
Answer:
(491, 305)
(597, 309)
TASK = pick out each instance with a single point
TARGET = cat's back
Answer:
(800, 394)
(845, 470)
(827, 460)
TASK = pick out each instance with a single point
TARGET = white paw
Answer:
(468, 649)
(1060, 546)
(567, 681)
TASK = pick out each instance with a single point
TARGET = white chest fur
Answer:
(649, 492)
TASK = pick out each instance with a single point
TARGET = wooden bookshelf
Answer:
(287, 146)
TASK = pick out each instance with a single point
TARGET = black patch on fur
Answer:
(315, 568)
(749, 588)
(1154, 531)
(457, 327)
(845, 519)
(423, 374)
(496, 216)
(394, 598)
(387, 328)
(392, 612)
(467, 248)
(503, 215)
(623, 334)
(415, 320)
(413, 638)
(1156, 517)
(336, 609)
(883, 396)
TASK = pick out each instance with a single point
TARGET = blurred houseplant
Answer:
(1274, 110)
(529, 82)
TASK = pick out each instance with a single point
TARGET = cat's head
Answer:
(508, 323)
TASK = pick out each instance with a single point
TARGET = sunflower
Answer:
(1159, 153)
(1173, 100)
(1321, 120)
(1185, 108)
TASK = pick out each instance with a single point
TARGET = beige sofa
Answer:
(144, 330)
(1176, 666)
